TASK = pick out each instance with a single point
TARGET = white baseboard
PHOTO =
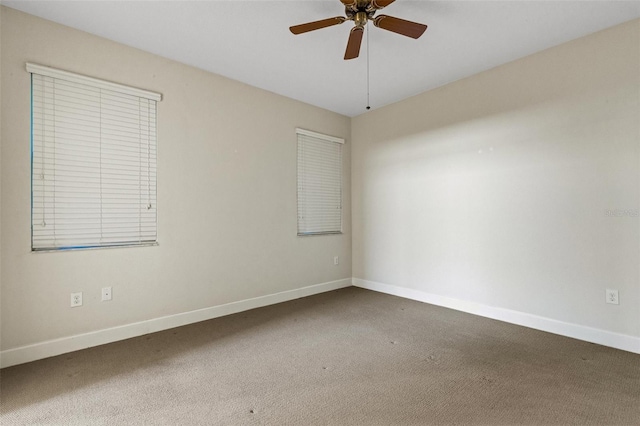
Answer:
(589, 334)
(63, 345)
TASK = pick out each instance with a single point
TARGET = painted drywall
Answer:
(226, 195)
(1, 10)
(517, 188)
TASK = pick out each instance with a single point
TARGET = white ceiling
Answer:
(249, 41)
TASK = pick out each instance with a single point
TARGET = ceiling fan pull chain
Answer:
(368, 103)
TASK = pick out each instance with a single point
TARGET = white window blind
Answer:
(319, 183)
(93, 162)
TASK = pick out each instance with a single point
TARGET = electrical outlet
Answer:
(76, 299)
(336, 260)
(612, 296)
(106, 294)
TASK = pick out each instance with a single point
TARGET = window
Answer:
(93, 162)
(319, 183)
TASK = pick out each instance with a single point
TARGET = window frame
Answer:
(324, 138)
(150, 139)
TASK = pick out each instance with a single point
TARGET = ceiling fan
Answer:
(361, 11)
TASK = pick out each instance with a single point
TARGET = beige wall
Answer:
(493, 189)
(226, 195)
(1, 11)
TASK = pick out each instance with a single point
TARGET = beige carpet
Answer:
(348, 357)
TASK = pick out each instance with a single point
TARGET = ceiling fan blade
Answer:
(400, 26)
(316, 25)
(379, 4)
(349, 2)
(353, 45)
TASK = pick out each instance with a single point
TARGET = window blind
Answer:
(93, 162)
(319, 183)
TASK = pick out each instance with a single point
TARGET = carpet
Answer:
(346, 357)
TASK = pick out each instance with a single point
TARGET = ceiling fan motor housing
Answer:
(360, 11)
(360, 19)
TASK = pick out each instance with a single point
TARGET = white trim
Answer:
(576, 331)
(78, 78)
(63, 345)
(319, 135)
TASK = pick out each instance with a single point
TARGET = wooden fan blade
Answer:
(349, 2)
(400, 26)
(379, 4)
(353, 45)
(316, 25)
